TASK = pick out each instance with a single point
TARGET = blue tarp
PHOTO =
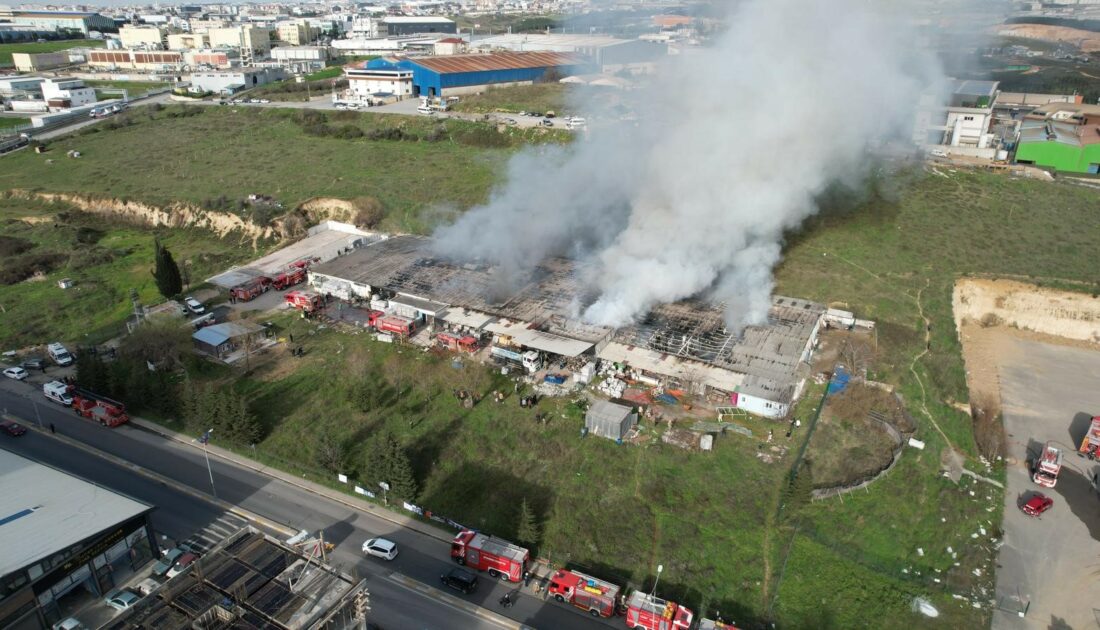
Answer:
(556, 379)
(839, 381)
(667, 399)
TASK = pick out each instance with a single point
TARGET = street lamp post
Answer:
(205, 439)
(385, 488)
(660, 567)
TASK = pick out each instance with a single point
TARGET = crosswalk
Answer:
(205, 539)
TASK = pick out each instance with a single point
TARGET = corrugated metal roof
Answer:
(497, 61)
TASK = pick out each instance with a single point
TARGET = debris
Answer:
(920, 551)
(925, 607)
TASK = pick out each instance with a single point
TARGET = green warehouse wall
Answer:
(1060, 156)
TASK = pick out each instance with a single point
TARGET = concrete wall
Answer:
(33, 62)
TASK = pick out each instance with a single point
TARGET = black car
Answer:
(34, 363)
(460, 580)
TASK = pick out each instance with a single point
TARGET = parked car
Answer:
(181, 564)
(13, 429)
(34, 363)
(940, 153)
(253, 100)
(166, 561)
(546, 122)
(1037, 504)
(194, 305)
(265, 100)
(341, 106)
(122, 600)
(17, 373)
(70, 623)
(147, 586)
(460, 580)
(380, 548)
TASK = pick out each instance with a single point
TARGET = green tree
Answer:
(527, 531)
(92, 373)
(402, 479)
(386, 461)
(166, 273)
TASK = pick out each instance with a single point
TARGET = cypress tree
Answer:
(166, 273)
(527, 531)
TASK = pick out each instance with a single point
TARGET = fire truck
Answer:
(1090, 445)
(599, 598)
(1048, 466)
(289, 278)
(251, 290)
(499, 557)
(401, 326)
(465, 343)
(646, 612)
(304, 300)
(109, 413)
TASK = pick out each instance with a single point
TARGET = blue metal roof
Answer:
(211, 336)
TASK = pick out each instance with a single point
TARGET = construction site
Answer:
(398, 287)
(252, 580)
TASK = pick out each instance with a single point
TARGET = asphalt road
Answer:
(1049, 393)
(422, 558)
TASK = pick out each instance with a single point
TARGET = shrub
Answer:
(13, 245)
(368, 211)
(22, 267)
(88, 236)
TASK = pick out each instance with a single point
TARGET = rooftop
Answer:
(532, 41)
(44, 510)
(220, 333)
(1067, 133)
(249, 581)
(497, 61)
(412, 19)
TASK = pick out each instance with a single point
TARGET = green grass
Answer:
(540, 97)
(6, 50)
(327, 73)
(93, 310)
(13, 121)
(236, 151)
(133, 88)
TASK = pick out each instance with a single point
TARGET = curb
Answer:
(473, 609)
(159, 478)
(275, 473)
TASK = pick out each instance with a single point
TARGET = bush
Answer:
(483, 137)
(22, 267)
(90, 257)
(368, 211)
(13, 245)
(88, 236)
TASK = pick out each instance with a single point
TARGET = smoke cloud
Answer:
(732, 145)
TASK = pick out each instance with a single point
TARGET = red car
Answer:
(1037, 504)
(13, 429)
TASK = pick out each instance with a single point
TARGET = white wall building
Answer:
(366, 84)
(67, 93)
(143, 37)
(232, 81)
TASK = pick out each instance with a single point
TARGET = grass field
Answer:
(538, 97)
(133, 88)
(13, 121)
(106, 261)
(237, 151)
(6, 50)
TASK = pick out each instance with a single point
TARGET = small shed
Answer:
(610, 420)
(222, 339)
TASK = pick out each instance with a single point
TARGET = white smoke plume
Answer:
(733, 145)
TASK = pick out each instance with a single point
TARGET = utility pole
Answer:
(660, 568)
(205, 439)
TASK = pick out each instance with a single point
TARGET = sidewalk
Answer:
(539, 570)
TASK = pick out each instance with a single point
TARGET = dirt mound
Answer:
(990, 303)
(1087, 41)
(320, 209)
(174, 215)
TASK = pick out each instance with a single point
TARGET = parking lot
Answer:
(1048, 565)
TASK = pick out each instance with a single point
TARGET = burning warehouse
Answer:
(535, 323)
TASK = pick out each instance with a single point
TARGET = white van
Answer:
(59, 354)
(424, 109)
(575, 123)
(57, 392)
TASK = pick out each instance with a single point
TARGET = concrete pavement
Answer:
(1048, 564)
(254, 489)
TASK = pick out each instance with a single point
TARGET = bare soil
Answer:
(1087, 41)
(849, 446)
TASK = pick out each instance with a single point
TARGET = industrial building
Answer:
(465, 74)
(251, 580)
(145, 37)
(222, 59)
(686, 344)
(1062, 136)
(153, 61)
(610, 54)
(963, 125)
(81, 21)
(233, 81)
(67, 542)
(364, 84)
(36, 62)
(67, 93)
(412, 25)
(609, 420)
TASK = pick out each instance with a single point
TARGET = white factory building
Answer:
(67, 93)
(365, 84)
(233, 81)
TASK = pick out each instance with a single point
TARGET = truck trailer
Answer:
(1048, 466)
(107, 412)
(1090, 445)
(500, 558)
(647, 612)
(599, 598)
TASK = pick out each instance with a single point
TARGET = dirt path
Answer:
(913, 367)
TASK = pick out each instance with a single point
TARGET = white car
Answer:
(265, 101)
(194, 305)
(17, 373)
(380, 548)
(122, 600)
(69, 624)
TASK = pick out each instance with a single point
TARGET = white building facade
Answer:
(67, 93)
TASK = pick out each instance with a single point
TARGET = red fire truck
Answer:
(109, 413)
(250, 290)
(599, 598)
(465, 343)
(401, 326)
(304, 300)
(647, 612)
(499, 557)
(295, 275)
(1090, 445)
(1048, 466)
